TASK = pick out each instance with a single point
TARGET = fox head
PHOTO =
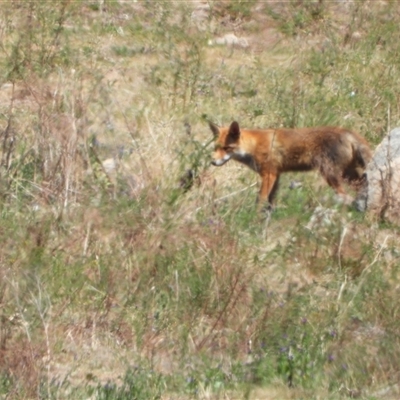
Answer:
(226, 143)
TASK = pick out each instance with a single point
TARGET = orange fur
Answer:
(339, 154)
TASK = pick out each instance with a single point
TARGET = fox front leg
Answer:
(269, 186)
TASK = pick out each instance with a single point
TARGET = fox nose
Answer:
(217, 161)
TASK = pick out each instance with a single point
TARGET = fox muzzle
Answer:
(221, 161)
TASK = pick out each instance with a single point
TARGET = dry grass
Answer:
(117, 284)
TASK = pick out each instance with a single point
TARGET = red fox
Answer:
(339, 154)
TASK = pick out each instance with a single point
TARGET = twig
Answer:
(344, 232)
(86, 242)
(228, 195)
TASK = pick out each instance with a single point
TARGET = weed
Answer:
(297, 18)
(236, 10)
(137, 384)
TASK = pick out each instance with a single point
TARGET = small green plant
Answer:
(235, 9)
(298, 17)
(138, 383)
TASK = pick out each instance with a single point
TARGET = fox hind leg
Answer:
(334, 180)
(335, 183)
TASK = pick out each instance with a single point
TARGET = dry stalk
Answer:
(9, 139)
(362, 278)
(44, 315)
(231, 302)
(342, 236)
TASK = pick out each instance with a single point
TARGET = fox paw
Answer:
(344, 199)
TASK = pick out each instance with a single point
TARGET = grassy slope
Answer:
(115, 283)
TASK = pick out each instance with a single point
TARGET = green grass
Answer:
(122, 283)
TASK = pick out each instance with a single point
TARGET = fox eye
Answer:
(222, 147)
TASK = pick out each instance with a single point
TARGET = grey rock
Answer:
(381, 194)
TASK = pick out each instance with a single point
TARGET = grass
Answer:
(132, 269)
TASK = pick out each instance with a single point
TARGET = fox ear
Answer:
(214, 128)
(234, 131)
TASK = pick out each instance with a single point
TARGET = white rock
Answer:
(110, 165)
(230, 39)
(322, 217)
